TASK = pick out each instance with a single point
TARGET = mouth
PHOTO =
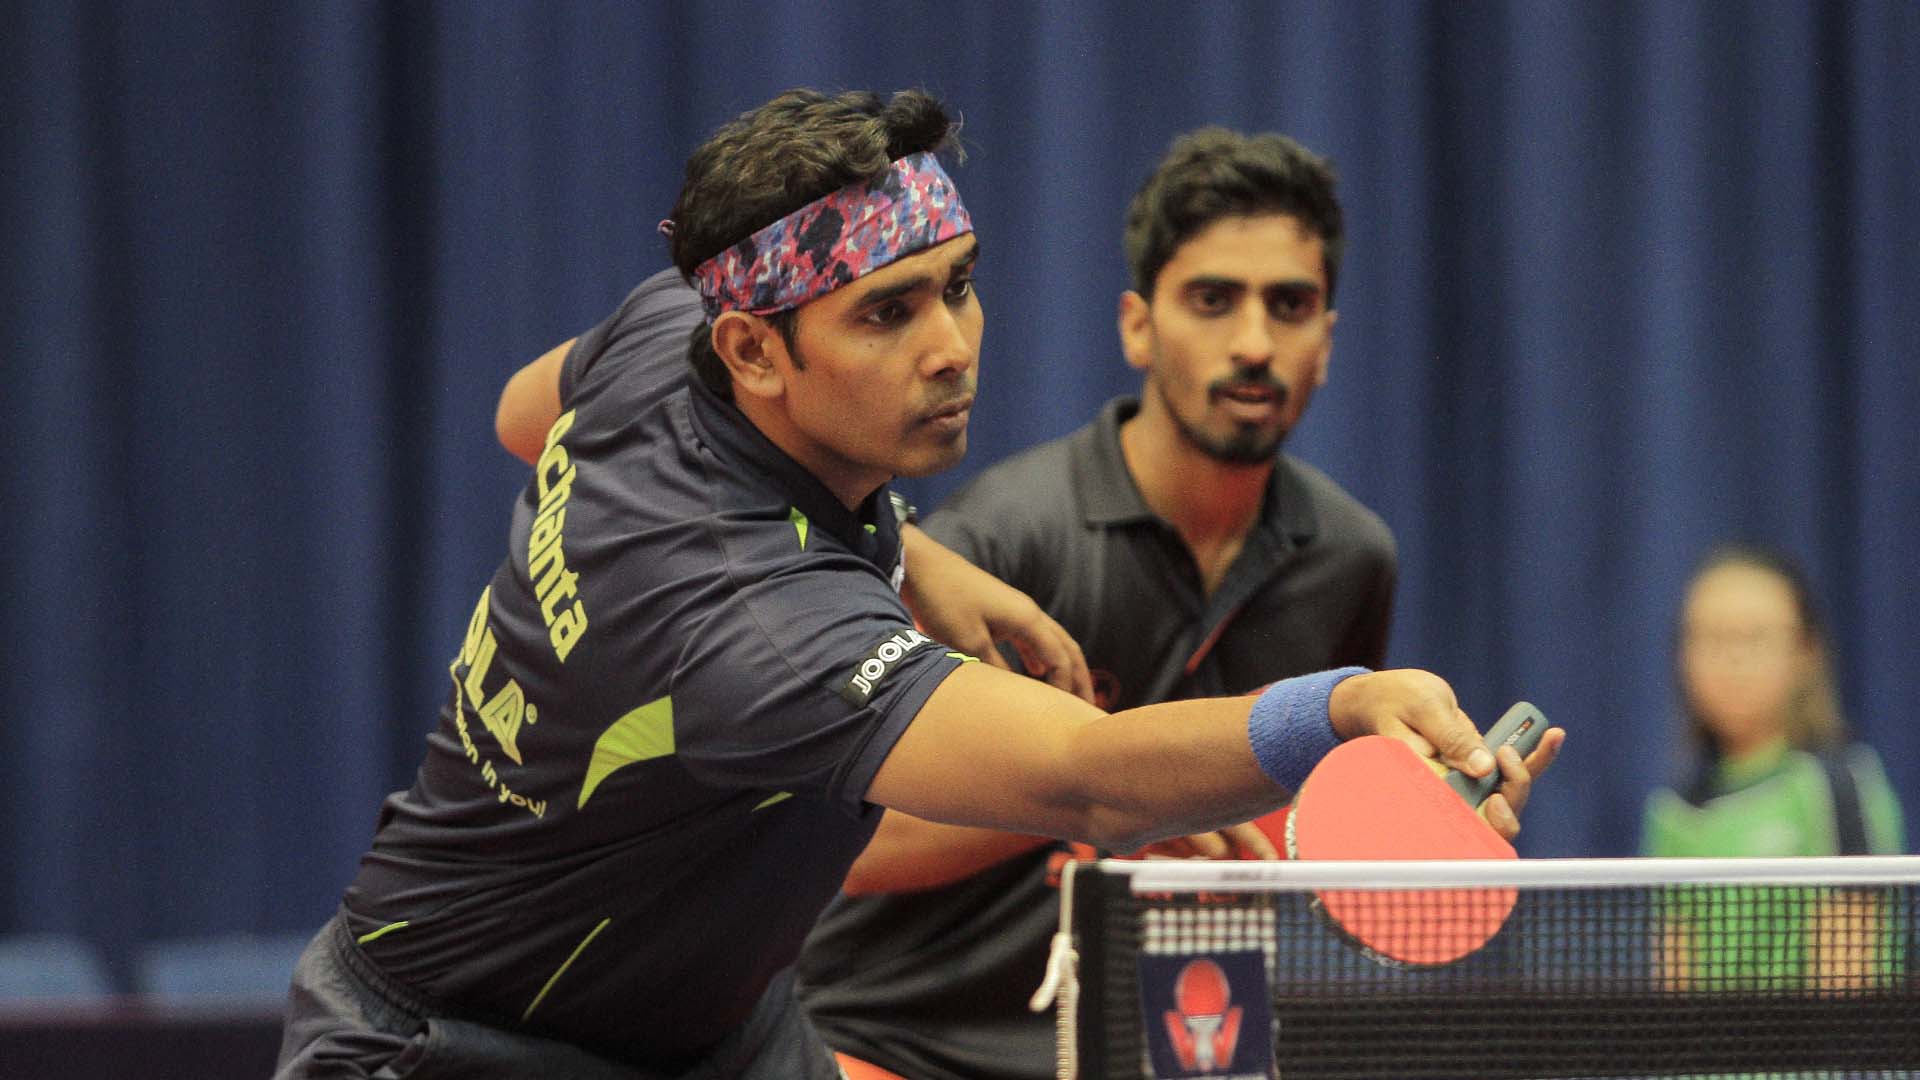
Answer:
(952, 416)
(1250, 402)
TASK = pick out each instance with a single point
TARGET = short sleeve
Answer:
(803, 682)
(644, 343)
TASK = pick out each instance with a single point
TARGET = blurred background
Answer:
(1623, 280)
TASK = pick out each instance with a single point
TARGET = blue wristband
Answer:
(1289, 727)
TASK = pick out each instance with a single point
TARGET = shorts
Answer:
(346, 1020)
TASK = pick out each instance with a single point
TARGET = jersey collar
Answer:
(1108, 495)
(872, 529)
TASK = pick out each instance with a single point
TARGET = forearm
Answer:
(971, 610)
(938, 578)
(1238, 757)
(1167, 770)
(1000, 752)
(991, 749)
(908, 853)
(922, 554)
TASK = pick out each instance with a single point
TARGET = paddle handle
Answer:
(1521, 728)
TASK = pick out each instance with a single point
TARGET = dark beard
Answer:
(1239, 448)
(1242, 446)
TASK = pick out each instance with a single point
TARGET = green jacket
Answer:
(1776, 802)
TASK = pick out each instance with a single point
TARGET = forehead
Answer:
(1740, 593)
(1258, 249)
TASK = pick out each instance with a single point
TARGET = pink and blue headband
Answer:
(834, 240)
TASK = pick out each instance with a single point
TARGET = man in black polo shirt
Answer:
(681, 702)
(1185, 553)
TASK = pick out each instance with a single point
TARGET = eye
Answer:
(1210, 300)
(1293, 305)
(891, 313)
(959, 289)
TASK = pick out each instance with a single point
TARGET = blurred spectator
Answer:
(1773, 774)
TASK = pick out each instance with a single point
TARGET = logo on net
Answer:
(1204, 1024)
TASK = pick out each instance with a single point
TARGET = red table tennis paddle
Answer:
(1376, 798)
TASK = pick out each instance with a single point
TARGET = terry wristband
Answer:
(1289, 727)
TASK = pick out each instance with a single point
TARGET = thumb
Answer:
(1460, 744)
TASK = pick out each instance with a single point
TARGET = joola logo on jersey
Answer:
(878, 662)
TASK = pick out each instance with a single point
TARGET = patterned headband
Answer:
(834, 240)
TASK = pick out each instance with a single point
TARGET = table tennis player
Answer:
(680, 705)
(1186, 553)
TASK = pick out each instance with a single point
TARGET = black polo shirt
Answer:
(663, 718)
(934, 984)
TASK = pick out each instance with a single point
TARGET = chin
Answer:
(1243, 449)
(937, 460)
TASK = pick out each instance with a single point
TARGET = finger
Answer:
(1547, 752)
(1499, 814)
(1049, 651)
(987, 654)
(1080, 676)
(1252, 842)
(1210, 845)
(1175, 848)
(977, 641)
(1515, 781)
(1067, 669)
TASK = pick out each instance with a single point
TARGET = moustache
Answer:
(961, 397)
(1252, 380)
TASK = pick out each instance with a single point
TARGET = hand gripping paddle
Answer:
(1376, 798)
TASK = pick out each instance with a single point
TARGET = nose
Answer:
(1252, 343)
(949, 348)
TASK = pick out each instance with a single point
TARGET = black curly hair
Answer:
(1215, 173)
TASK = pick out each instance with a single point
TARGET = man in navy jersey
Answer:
(682, 702)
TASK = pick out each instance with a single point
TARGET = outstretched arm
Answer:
(995, 750)
(980, 764)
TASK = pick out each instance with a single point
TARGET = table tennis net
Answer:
(1604, 968)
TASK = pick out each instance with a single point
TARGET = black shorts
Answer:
(346, 1020)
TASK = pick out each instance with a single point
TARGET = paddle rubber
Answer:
(1375, 798)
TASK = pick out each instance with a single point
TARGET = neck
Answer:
(1207, 500)
(1212, 504)
(1749, 744)
(849, 482)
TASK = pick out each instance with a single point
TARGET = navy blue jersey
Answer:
(663, 717)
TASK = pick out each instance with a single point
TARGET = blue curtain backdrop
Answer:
(1623, 279)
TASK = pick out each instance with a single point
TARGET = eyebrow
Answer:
(1207, 281)
(917, 282)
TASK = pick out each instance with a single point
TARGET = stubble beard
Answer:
(1242, 446)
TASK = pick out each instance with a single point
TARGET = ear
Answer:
(1136, 329)
(753, 351)
(1325, 358)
